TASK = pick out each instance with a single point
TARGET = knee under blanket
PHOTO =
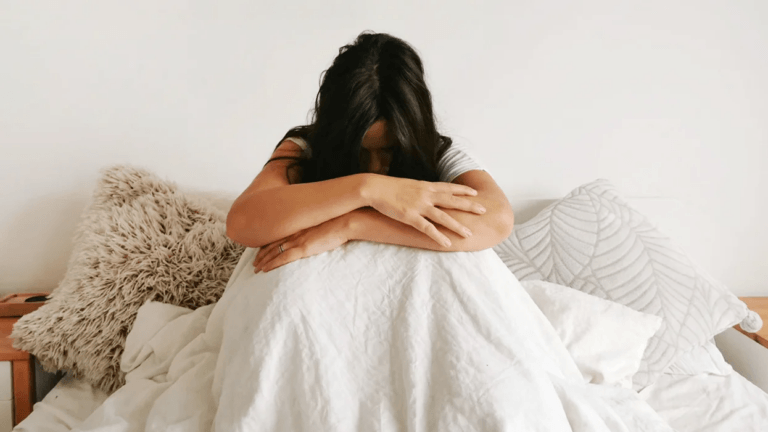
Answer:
(367, 337)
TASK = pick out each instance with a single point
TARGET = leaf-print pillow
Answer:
(593, 241)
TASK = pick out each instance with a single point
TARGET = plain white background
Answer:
(664, 99)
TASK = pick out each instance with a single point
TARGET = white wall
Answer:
(665, 99)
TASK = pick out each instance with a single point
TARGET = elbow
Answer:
(238, 229)
(510, 223)
(494, 230)
(506, 223)
(233, 225)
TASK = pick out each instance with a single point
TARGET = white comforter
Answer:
(367, 337)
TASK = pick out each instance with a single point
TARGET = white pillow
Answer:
(593, 241)
(606, 339)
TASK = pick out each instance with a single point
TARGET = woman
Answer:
(373, 336)
(371, 166)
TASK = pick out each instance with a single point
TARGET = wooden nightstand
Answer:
(17, 372)
(17, 368)
(759, 305)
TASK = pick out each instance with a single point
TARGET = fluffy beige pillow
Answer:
(139, 239)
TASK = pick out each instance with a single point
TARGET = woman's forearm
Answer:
(488, 230)
(268, 215)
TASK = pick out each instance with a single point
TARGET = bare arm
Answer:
(265, 215)
(272, 208)
(488, 229)
(369, 224)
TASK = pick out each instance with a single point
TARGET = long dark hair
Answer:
(377, 77)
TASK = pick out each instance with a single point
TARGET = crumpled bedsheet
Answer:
(369, 337)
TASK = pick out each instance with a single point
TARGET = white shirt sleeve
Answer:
(456, 161)
(303, 144)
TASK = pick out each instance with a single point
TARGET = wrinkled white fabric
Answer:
(65, 407)
(365, 337)
(709, 403)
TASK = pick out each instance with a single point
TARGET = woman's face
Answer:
(376, 154)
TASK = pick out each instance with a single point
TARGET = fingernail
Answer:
(447, 243)
(482, 209)
(467, 232)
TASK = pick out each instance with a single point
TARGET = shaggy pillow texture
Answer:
(594, 242)
(139, 239)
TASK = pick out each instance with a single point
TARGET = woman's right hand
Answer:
(416, 202)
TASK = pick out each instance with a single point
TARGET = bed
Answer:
(709, 403)
(690, 403)
(687, 396)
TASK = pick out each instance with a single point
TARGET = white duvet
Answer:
(367, 337)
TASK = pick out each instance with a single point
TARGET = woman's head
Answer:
(373, 112)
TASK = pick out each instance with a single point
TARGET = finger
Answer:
(290, 244)
(284, 258)
(459, 203)
(457, 189)
(273, 252)
(270, 248)
(263, 252)
(423, 225)
(444, 219)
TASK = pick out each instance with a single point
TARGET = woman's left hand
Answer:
(311, 241)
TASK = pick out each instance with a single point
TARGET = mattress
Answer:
(709, 403)
(701, 403)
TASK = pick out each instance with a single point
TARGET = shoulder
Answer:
(457, 160)
(301, 143)
(458, 149)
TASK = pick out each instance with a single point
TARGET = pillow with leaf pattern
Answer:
(593, 241)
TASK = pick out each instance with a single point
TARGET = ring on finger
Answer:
(269, 253)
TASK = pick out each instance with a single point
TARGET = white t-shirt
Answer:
(455, 161)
